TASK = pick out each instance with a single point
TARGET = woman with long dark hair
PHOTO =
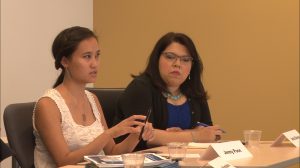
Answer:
(171, 85)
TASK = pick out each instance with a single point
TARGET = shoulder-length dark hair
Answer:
(192, 86)
(64, 45)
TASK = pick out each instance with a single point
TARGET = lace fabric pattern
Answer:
(75, 135)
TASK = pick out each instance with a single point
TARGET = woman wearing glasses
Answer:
(171, 86)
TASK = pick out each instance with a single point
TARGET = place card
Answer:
(231, 150)
(220, 163)
(292, 136)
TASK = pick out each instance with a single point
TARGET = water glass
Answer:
(133, 160)
(177, 150)
(252, 137)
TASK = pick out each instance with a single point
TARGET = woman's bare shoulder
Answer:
(46, 104)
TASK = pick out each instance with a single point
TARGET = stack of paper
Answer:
(151, 159)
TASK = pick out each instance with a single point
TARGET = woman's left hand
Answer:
(148, 133)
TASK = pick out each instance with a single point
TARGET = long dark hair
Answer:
(65, 43)
(191, 87)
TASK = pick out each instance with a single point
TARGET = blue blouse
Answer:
(179, 116)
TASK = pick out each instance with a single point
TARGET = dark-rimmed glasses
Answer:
(172, 57)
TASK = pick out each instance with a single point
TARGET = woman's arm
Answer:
(133, 139)
(162, 137)
(198, 134)
(48, 125)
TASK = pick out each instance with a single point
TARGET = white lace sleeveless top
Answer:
(75, 135)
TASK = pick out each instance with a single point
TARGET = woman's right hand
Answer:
(131, 124)
(206, 134)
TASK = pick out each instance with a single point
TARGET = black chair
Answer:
(19, 131)
(108, 98)
(4, 151)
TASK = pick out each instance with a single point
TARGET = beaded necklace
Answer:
(168, 95)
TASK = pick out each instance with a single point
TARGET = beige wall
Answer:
(250, 51)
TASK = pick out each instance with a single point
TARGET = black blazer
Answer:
(141, 94)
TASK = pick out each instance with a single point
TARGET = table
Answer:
(264, 156)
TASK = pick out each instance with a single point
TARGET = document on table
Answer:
(151, 159)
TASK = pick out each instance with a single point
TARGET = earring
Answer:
(189, 76)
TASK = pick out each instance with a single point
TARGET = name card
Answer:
(292, 136)
(227, 150)
(220, 163)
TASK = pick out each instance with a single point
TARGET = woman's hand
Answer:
(131, 124)
(148, 133)
(206, 134)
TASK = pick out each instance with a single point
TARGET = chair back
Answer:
(18, 125)
(108, 98)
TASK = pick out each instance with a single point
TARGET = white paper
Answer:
(116, 160)
(231, 150)
(292, 136)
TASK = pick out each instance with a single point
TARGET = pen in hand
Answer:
(146, 120)
(205, 125)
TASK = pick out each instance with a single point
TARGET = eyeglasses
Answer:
(171, 57)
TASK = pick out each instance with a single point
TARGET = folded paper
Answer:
(227, 150)
(292, 136)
